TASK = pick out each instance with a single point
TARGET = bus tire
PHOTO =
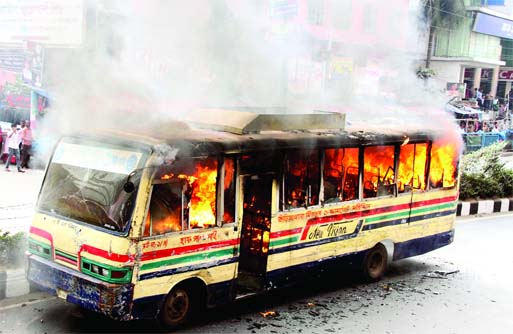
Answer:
(374, 263)
(180, 305)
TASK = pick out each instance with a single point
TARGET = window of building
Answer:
(340, 174)
(341, 14)
(412, 167)
(316, 12)
(378, 172)
(370, 18)
(301, 179)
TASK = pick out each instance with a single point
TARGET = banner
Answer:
(51, 22)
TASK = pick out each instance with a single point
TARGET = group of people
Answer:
(476, 126)
(488, 102)
(19, 140)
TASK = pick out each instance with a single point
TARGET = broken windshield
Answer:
(85, 180)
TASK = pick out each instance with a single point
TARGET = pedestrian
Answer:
(14, 148)
(479, 98)
(26, 144)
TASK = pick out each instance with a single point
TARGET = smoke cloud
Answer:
(144, 63)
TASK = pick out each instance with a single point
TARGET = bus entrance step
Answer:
(249, 284)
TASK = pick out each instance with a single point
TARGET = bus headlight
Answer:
(105, 272)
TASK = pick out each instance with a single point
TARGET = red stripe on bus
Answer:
(65, 259)
(42, 233)
(372, 212)
(157, 254)
(103, 253)
(285, 233)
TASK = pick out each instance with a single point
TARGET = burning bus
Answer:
(133, 226)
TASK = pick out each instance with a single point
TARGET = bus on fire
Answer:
(200, 215)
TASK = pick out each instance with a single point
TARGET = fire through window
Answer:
(412, 167)
(378, 173)
(184, 196)
(444, 163)
(302, 178)
(340, 178)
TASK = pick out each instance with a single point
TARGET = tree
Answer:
(441, 14)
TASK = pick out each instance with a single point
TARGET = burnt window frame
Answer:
(429, 185)
(283, 205)
(219, 195)
(220, 191)
(426, 168)
(358, 195)
(392, 192)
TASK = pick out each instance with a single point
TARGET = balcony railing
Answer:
(484, 3)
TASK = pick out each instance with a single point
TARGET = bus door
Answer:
(255, 230)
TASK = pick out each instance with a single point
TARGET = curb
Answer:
(484, 206)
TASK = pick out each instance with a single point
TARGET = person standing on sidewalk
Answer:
(26, 144)
(13, 141)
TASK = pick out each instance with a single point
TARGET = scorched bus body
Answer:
(134, 227)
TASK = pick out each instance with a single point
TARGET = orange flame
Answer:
(203, 197)
(412, 166)
(378, 166)
(444, 162)
(202, 205)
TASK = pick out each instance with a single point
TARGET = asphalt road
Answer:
(462, 288)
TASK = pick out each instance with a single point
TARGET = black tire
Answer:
(374, 263)
(178, 307)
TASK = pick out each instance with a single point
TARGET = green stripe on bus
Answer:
(66, 255)
(433, 208)
(189, 258)
(405, 214)
(281, 242)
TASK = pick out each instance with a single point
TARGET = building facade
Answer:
(479, 52)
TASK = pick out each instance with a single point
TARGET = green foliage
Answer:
(11, 248)
(483, 175)
(424, 73)
(445, 14)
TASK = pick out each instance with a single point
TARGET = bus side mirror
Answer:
(129, 187)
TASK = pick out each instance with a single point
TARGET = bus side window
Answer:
(340, 174)
(165, 210)
(229, 190)
(412, 167)
(378, 173)
(443, 169)
(302, 178)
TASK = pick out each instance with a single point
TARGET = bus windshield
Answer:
(85, 180)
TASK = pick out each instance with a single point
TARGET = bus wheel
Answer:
(374, 263)
(177, 308)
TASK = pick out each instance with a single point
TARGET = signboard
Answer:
(51, 22)
(99, 158)
(492, 25)
(456, 89)
(12, 59)
(506, 75)
(33, 67)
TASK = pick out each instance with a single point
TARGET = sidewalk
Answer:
(18, 195)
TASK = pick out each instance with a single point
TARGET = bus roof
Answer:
(229, 131)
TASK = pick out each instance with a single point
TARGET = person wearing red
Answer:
(26, 144)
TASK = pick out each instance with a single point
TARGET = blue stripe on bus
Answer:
(297, 246)
(410, 220)
(184, 269)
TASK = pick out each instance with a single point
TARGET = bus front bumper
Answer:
(112, 300)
